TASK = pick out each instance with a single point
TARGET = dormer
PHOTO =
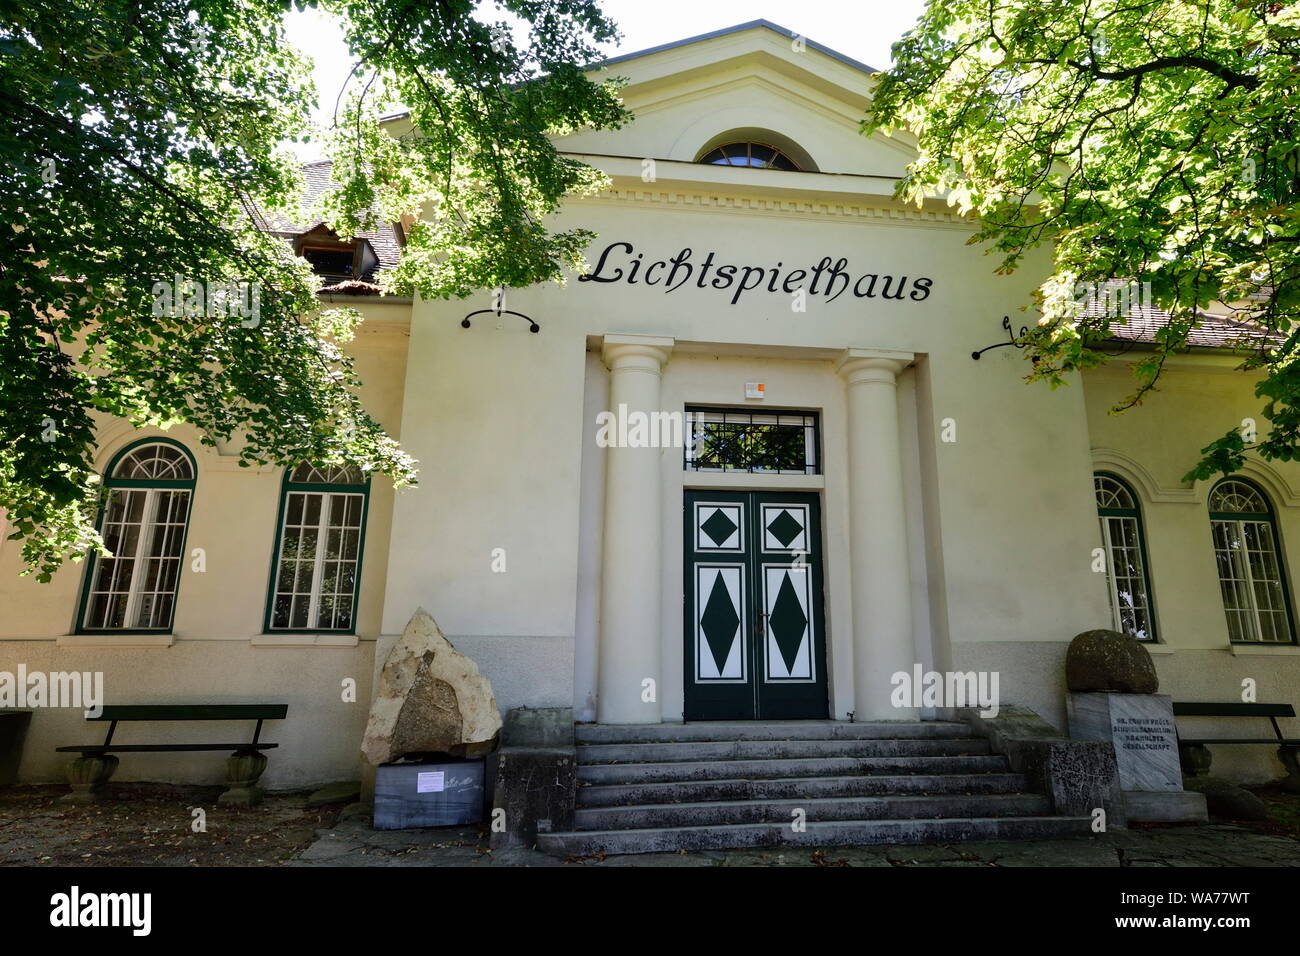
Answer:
(334, 258)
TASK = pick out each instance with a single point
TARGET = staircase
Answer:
(705, 786)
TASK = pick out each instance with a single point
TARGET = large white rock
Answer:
(431, 699)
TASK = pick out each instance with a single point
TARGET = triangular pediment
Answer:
(755, 81)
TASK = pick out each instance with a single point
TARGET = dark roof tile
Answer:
(318, 180)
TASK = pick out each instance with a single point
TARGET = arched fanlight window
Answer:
(1252, 576)
(750, 154)
(1122, 536)
(149, 486)
(316, 579)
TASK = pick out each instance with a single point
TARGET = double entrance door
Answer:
(755, 642)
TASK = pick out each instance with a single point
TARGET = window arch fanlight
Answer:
(149, 487)
(757, 155)
(1248, 554)
(755, 146)
(1124, 540)
(316, 578)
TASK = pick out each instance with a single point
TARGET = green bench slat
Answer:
(159, 748)
(194, 712)
(1227, 709)
(1238, 740)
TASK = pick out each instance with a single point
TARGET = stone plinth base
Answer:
(1141, 726)
(1147, 806)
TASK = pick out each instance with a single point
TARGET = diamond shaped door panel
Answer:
(718, 527)
(785, 527)
(788, 605)
(721, 651)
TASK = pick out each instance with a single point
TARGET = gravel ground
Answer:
(153, 825)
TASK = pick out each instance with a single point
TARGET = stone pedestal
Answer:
(88, 774)
(1141, 727)
(536, 777)
(431, 793)
(243, 769)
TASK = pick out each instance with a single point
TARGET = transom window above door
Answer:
(782, 443)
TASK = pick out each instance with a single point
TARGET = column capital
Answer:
(648, 352)
(872, 365)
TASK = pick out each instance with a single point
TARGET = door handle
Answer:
(760, 625)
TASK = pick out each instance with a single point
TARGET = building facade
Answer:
(744, 467)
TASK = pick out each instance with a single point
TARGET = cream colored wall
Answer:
(217, 651)
(511, 441)
(1153, 446)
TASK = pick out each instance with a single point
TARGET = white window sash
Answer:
(1112, 581)
(139, 556)
(1236, 528)
(318, 560)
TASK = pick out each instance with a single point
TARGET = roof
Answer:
(1215, 331)
(711, 35)
(738, 28)
(382, 239)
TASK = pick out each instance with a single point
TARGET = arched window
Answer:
(145, 517)
(750, 154)
(1126, 557)
(316, 579)
(1252, 576)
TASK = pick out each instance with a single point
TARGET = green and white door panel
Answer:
(755, 643)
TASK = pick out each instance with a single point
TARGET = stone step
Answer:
(824, 834)
(778, 749)
(800, 767)
(798, 787)
(725, 812)
(767, 730)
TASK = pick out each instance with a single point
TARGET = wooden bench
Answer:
(1194, 753)
(89, 772)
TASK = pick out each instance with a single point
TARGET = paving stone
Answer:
(922, 853)
(353, 843)
(660, 859)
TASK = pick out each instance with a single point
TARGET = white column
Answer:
(882, 593)
(631, 575)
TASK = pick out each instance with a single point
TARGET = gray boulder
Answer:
(1226, 800)
(1104, 660)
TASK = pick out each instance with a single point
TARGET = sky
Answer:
(861, 29)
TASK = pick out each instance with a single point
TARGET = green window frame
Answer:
(144, 518)
(1248, 554)
(1128, 576)
(315, 580)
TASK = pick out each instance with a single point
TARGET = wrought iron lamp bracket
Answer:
(499, 311)
(1012, 339)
